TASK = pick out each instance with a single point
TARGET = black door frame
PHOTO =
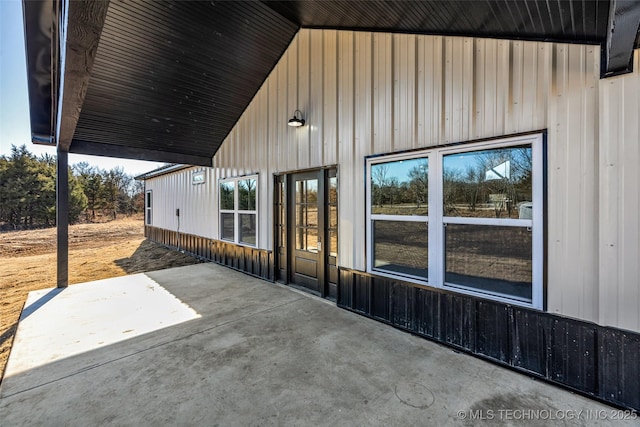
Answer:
(284, 250)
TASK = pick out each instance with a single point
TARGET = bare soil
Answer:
(96, 251)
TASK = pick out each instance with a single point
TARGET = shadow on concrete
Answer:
(10, 333)
(151, 256)
(32, 308)
(27, 311)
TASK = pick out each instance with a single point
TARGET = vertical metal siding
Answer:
(303, 101)
(350, 215)
(330, 92)
(197, 203)
(382, 97)
(372, 93)
(573, 182)
(619, 205)
(404, 91)
(430, 90)
(379, 93)
(362, 110)
(315, 103)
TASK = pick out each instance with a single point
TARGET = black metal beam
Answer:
(39, 29)
(126, 152)
(62, 217)
(624, 20)
(86, 19)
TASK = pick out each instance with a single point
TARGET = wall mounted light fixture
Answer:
(297, 120)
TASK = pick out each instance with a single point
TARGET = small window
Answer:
(198, 177)
(147, 208)
(466, 218)
(238, 210)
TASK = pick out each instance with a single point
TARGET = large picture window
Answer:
(467, 218)
(238, 210)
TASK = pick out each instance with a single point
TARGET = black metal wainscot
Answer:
(256, 262)
(597, 361)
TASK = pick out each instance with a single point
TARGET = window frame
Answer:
(436, 220)
(236, 211)
(148, 207)
(371, 217)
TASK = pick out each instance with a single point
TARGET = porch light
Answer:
(297, 120)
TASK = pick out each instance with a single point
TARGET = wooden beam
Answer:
(126, 152)
(624, 20)
(85, 22)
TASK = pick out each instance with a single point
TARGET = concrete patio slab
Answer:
(85, 318)
(241, 351)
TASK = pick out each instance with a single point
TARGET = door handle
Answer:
(319, 246)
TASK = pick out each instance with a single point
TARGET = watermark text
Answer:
(546, 415)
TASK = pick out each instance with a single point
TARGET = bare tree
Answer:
(380, 182)
(419, 183)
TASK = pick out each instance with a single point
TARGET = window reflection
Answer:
(490, 258)
(307, 239)
(306, 215)
(247, 194)
(227, 226)
(488, 184)
(401, 247)
(247, 228)
(333, 243)
(333, 216)
(238, 210)
(227, 200)
(400, 187)
(333, 190)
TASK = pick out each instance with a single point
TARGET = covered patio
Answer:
(206, 345)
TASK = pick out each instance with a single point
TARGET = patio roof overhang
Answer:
(167, 81)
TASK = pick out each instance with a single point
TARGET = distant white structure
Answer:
(502, 171)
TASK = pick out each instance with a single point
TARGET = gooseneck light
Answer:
(296, 121)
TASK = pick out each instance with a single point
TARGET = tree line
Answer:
(28, 191)
(489, 183)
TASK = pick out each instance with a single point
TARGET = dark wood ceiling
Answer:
(558, 20)
(167, 80)
(175, 76)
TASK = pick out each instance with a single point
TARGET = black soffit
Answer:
(169, 80)
(552, 20)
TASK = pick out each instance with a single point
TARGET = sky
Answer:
(14, 102)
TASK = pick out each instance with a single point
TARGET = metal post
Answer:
(62, 216)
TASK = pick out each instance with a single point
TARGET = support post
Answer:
(62, 217)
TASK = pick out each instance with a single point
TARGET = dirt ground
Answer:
(96, 251)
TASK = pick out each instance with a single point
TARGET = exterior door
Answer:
(306, 231)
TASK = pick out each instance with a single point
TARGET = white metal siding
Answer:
(197, 203)
(573, 182)
(373, 93)
(619, 204)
